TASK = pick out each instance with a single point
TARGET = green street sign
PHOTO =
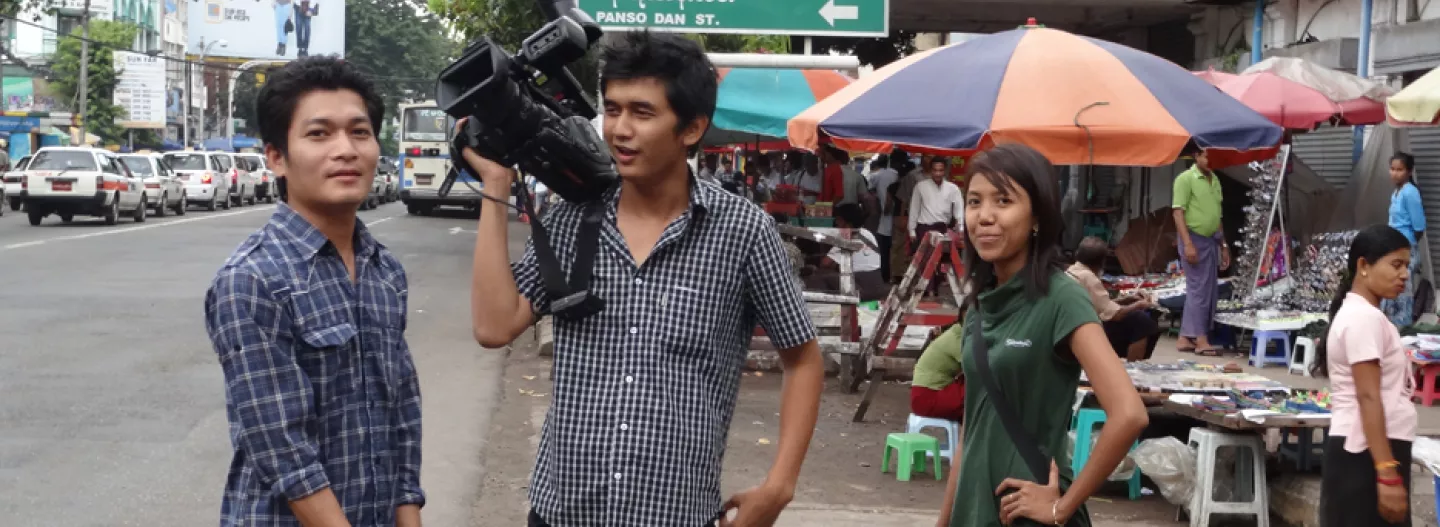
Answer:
(845, 18)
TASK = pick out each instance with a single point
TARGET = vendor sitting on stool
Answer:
(864, 263)
(937, 388)
(1127, 321)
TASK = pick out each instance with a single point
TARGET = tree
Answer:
(106, 36)
(876, 52)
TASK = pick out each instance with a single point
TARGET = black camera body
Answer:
(527, 110)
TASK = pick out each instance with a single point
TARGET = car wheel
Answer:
(214, 201)
(35, 217)
(140, 211)
(184, 202)
(225, 203)
(412, 210)
(15, 205)
(66, 217)
(113, 215)
(160, 209)
(253, 199)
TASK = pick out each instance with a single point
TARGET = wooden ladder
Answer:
(898, 313)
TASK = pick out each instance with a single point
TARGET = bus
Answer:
(425, 159)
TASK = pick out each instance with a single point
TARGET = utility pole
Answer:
(84, 67)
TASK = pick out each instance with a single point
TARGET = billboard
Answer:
(271, 29)
(140, 90)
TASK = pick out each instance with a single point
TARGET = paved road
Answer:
(111, 401)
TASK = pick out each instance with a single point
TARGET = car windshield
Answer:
(138, 165)
(186, 161)
(256, 162)
(63, 160)
(24, 162)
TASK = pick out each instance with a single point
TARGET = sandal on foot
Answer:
(1210, 352)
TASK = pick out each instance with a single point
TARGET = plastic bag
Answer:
(1170, 464)
(1122, 472)
(1426, 451)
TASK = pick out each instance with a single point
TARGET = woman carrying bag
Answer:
(1029, 333)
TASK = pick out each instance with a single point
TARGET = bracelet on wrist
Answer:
(1387, 464)
(1390, 482)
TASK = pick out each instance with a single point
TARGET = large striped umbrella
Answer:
(1418, 103)
(1054, 91)
(760, 101)
(1282, 101)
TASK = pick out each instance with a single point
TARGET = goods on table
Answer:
(820, 210)
(1300, 402)
(1423, 347)
(785, 194)
(1191, 377)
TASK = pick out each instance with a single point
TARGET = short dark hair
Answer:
(677, 62)
(1010, 166)
(1092, 252)
(937, 159)
(852, 214)
(275, 105)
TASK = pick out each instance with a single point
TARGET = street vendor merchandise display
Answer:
(1192, 377)
(1318, 278)
(1255, 244)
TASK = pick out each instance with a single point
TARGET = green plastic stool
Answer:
(912, 449)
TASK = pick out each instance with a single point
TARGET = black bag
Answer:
(289, 26)
(1035, 458)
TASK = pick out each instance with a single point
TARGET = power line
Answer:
(163, 56)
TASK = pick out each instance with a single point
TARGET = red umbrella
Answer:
(1282, 101)
(1289, 104)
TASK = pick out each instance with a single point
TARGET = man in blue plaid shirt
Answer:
(308, 319)
(645, 389)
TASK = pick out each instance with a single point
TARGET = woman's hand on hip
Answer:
(1031, 500)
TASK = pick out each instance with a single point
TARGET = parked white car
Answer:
(202, 177)
(14, 189)
(242, 182)
(70, 181)
(163, 188)
(265, 187)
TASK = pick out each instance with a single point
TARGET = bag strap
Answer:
(1030, 451)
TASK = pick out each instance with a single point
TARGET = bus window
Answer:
(426, 124)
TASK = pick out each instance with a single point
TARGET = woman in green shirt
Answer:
(1041, 333)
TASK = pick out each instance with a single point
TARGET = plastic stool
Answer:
(1306, 454)
(1260, 343)
(1084, 423)
(1425, 376)
(918, 423)
(1250, 483)
(912, 449)
(1304, 348)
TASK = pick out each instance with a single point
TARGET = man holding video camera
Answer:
(645, 389)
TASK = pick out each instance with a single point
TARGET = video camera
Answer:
(528, 111)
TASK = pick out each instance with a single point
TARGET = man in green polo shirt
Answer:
(1201, 241)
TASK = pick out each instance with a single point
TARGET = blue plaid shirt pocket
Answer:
(323, 337)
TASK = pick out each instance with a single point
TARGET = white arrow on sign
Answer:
(831, 12)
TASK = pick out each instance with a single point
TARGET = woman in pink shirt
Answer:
(1367, 456)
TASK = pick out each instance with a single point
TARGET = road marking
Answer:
(381, 220)
(132, 229)
(458, 230)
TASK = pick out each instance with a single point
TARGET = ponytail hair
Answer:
(1371, 244)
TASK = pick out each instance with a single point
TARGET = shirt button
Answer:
(629, 379)
(624, 426)
(639, 282)
(634, 330)
(617, 476)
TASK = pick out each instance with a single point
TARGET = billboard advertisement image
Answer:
(267, 29)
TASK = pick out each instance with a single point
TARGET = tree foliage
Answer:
(398, 43)
(876, 52)
(102, 111)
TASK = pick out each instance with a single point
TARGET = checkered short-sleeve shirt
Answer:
(645, 390)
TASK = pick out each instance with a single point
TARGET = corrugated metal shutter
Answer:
(1425, 146)
(1330, 152)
